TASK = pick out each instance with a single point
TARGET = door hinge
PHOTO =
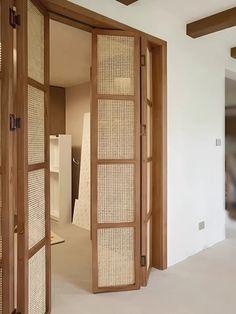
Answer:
(143, 60)
(14, 18)
(143, 261)
(143, 130)
(14, 122)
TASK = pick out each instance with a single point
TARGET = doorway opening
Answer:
(116, 195)
(69, 128)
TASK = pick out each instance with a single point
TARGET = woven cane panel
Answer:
(148, 244)
(116, 264)
(115, 67)
(149, 75)
(116, 129)
(37, 283)
(35, 43)
(115, 193)
(36, 199)
(36, 131)
(149, 186)
(149, 131)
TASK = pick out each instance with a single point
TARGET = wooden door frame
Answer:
(23, 168)
(7, 167)
(82, 18)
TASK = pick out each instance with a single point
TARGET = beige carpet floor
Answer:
(202, 284)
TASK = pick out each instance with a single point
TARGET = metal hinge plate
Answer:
(143, 261)
(14, 18)
(14, 122)
(143, 60)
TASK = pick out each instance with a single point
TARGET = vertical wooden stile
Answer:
(33, 159)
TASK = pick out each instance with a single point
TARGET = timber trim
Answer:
(212, 23)
(7, 161)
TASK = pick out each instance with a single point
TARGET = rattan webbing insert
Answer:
(35, 43)
(115, 68)
(36, 201)
(36, 132)
(115, 193)
(116, 129)
(116, 264)
(37, 283)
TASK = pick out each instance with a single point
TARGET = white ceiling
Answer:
(70, 55)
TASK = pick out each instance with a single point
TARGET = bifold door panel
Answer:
(115, 161)
(33, 167)
(146, 118)
(6, 162)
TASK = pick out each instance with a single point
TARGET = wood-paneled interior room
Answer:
(69, 112)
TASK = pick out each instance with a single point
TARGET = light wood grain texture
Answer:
(159, 230)
(7, 159)
(212, 23)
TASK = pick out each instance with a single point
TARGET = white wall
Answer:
(196, 81)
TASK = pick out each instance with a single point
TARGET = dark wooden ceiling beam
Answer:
(233, 52)
(127, 2)
(212, 24)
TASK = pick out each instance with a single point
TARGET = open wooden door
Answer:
(147, 162)
(33, 159)
(115, 131)
(6, 162)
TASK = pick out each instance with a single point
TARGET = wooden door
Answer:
(115, 131)
(6, 162)
(33, 159)
(147, 162)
